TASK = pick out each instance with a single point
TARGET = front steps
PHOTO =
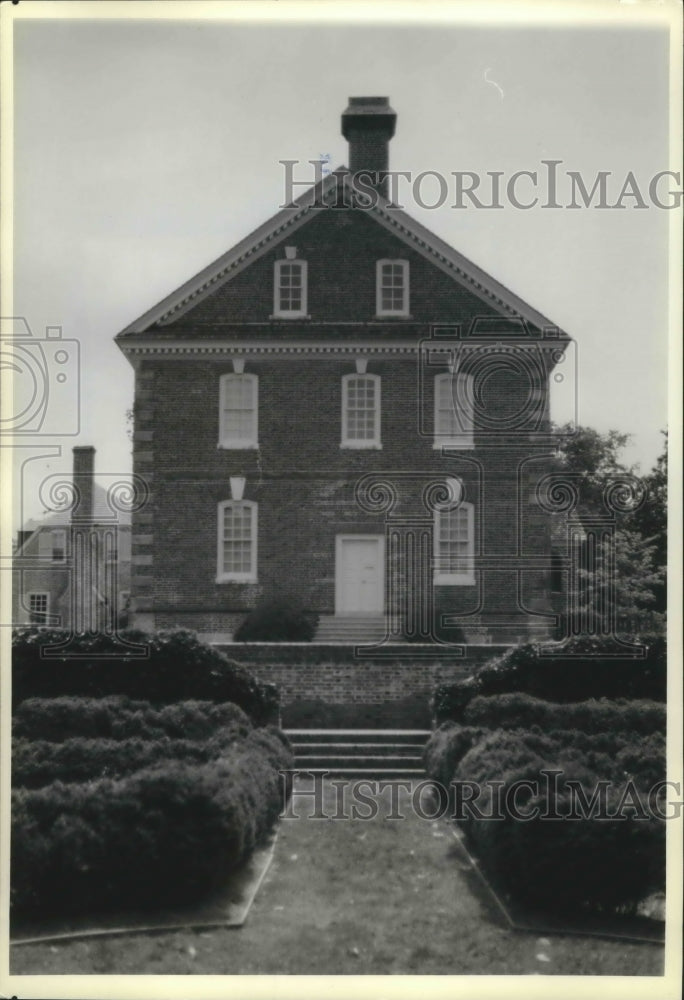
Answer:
(360, 753)
(352, 629)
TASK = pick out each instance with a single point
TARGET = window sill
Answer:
(290, 315)
(393, 315)
(237, 446)
(360, 446)
(463, 445)
(235, 579)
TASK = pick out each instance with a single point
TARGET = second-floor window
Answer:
(290, 289)
(454, 410)
(392, 288)
(361, 411)
(238, 417)
(237, 541)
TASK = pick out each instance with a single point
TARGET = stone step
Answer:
(366, 753)
(387, 773)
(388, 737)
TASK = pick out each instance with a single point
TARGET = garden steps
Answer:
(368, 753)
(354, 628)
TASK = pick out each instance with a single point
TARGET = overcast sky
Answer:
(144, 150)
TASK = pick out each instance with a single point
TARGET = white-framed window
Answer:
(454, 410)
(39, 607)
(361, 411)
(59, 542)
(454, 544)
(290, 289)
(237, 541)
(239, 411)
(392, 288)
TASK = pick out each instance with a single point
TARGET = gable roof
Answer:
(102, 514)
(284, 223)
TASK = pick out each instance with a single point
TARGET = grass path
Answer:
(376, 897)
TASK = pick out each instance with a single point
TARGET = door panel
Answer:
(360, 573)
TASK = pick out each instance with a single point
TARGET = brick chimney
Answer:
(84, 470)
(368, 125)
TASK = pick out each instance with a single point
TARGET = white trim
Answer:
(463, 435)
(339, 542)
(456, 579)
(375, 441)
(278, 311)
(223, 576)
(232, 442)
(404, 311)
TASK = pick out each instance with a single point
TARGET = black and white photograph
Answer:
(341, 423)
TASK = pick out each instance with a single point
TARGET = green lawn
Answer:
(377, 897)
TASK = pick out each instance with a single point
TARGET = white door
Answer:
(359, 575)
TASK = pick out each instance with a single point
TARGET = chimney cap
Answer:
(367, 109)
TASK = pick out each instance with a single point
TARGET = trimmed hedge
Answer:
(621, 755)
(177, 667)
(163, 836)
(566, 677)
(558, 865)
(36, 763)
(278, 619)
(446, 748)
(521, 711)
(120, 718)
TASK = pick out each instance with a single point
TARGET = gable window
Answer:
(237, 541)
(392, 288)
(38, 608)
(454, 410)
(290, 289)
(238, 420)
(361, 411)
(454, 538)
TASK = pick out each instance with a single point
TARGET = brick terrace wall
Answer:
(345, 679)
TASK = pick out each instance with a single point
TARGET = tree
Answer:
(624, 587)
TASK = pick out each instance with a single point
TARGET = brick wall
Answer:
(347, 680)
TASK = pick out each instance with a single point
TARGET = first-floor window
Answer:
(454, 538)
(38, 608)
(237, 541)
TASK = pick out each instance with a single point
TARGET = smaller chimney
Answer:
(368, 125)
(84, 470)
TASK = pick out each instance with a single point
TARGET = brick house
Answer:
(72, 568)
(344, 409)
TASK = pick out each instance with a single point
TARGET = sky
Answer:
(143, 150)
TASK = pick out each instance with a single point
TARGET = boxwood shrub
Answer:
(278, 619)
(120, 718)
(521, 711)
(558, 865)
(162, 836)
(177, 666)
(446, 747)
(36, 763)
(567, 676)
